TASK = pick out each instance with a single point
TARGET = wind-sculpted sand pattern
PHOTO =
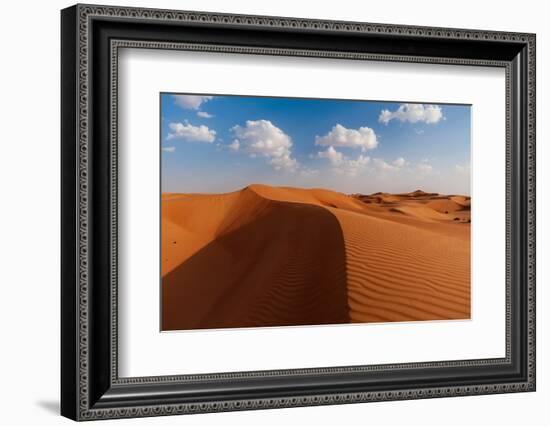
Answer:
(270, 256)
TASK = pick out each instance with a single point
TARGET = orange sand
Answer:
(270, 256)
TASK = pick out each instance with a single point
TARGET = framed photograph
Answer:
(263, 212)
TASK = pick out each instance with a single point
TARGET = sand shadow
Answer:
(285, 267)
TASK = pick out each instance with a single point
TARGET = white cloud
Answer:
(339, 136)
(190, 133)
(285, 162)
(353, 167)
(235, 145)
(425, 168)
(413, 113)
(190, 101)
(343, 164)
(419, 131)
(336, 158)
(204, 114)
(400, 162)
(382, 165)
(395, 165)
(263, 139)
(169, 148)
(307, 172)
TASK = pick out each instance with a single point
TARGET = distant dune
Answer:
(275, 256)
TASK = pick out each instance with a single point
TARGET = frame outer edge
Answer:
(83, 197)
(531, 200)
(69, 221)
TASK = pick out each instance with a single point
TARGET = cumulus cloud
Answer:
(353, 167)
(342, 164)
(340, 136)
(285, 162)
(169, 148)
(261, 138)
(189, 133)
(425, 168)
(235, 145)
(400, 162)
(383, 165)
(204, 114)
(336, 158)
(395, 165)
(190, 101)
(413, 113)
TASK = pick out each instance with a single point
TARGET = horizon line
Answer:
(417, 190)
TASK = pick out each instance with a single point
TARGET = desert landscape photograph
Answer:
(279, 211)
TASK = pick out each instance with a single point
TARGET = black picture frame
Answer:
(90, 386)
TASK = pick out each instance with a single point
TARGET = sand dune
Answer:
(270, 256)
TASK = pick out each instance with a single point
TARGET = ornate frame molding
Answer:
(85, 14)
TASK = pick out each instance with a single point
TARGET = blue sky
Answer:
(220, 143)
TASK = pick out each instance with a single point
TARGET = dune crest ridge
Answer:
(271, 256)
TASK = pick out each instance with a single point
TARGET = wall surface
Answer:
(29, 213)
